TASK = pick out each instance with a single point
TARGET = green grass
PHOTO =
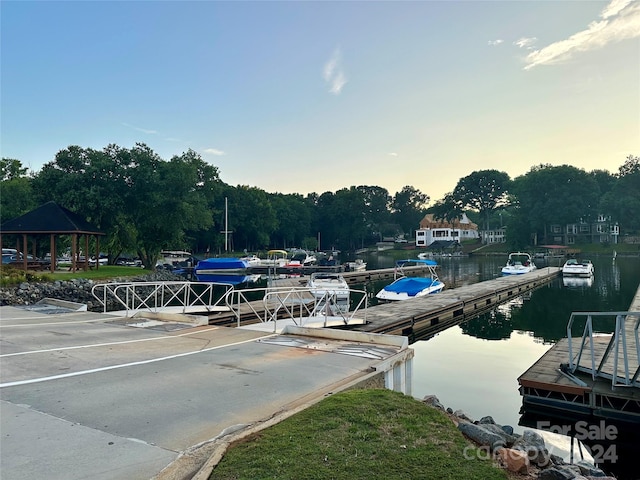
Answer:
(103, 272)
(359, 434)
(14, 276)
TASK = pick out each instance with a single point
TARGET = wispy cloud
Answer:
(526, 43)
(139, 129)
(620, 20)
(213, 151)
(334, 74)
(393, 154)
(493, 43)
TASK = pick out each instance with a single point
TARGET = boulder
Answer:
(555, 473)
(462, 415)
(513, 460)
(482, 435)
(508, 429)
(488, 420)
(509, 440)
(433, 401)
(588, 469)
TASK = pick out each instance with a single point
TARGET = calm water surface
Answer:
(474, 366)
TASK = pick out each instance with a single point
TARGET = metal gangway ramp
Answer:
(613, 357)
(276, 308)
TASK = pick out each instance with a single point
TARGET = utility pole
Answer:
(226, 230)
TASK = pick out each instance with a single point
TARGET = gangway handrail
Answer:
(153, 296)
(618, 345)
(295, 303)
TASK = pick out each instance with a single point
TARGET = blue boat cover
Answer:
(410, 285)
(221, 264)
(229, 279)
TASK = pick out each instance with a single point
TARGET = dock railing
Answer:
(155, 296)
(298, 305)
(623, 347)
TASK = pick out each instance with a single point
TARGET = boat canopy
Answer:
(430, 263)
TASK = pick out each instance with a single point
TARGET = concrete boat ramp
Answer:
(104, 396)
(90, 395)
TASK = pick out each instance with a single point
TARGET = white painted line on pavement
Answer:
(125, 365)
(28, 352)
(53, 323)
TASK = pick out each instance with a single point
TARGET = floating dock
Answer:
(428, 315)
(594, 375)
(418, 317)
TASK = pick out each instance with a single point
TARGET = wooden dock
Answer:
(424, 316)
(548, 385)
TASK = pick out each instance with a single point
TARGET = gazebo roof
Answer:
(49, 218)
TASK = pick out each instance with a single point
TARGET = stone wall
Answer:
(76, 290)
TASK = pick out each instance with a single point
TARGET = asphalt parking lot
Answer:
(88, 395)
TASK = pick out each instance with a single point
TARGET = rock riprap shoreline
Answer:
(77, 290)
(526, 454)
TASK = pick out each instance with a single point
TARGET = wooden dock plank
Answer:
(544, 377)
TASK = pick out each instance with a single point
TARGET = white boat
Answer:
(405, 287)
(330, 288)
(252, 260)
(518, 263)
(358, 265)
(174, 258)
(275, 258)
(574, 267)
(305, 258)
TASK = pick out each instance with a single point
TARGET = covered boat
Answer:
(222, 265)
(405, 287)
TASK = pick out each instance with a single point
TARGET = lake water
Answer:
(474, 366)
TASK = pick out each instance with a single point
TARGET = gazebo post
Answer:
(52, 249)
(97, 252)
(86, 251)
(24, 251)
(74, 251)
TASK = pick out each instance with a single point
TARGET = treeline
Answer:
(145, 204)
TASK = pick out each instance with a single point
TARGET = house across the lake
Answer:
(600, 230)
(432, 230)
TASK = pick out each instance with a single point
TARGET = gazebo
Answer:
(53, 220)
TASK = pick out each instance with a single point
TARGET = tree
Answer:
(251, 217)
(448, 209)
(561, 195)
(483, 191)
(294, 219)
(630, 166)
(11, 169)
(17, 194)
(408, 208)
(623, 201)
(142, 203)
(376, 208)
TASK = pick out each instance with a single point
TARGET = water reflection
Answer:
(475, 366)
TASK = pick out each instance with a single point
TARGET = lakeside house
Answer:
(432, 230)
(600, 230)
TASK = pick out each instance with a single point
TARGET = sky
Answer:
(316, 96)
